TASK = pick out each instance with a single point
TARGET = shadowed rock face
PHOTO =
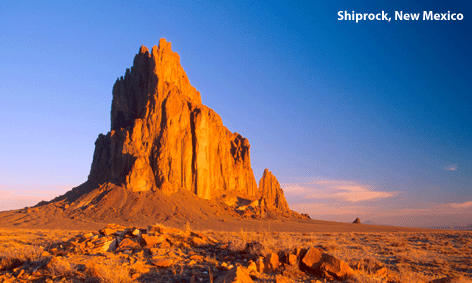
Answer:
(163, 138)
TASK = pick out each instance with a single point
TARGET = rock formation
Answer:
(271, 191)
(163, 137)
(167, 158)
(357, 221)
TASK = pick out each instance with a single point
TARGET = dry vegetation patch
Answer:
(164, 254)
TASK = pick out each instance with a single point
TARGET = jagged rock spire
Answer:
(270, 190)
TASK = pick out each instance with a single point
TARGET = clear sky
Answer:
(369, 119)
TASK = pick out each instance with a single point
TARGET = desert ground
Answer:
(273, 252)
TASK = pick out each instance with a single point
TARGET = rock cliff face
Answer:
(163, 138)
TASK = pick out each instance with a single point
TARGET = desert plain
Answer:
(272, 252)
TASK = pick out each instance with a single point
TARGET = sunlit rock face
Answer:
(163, 138)
(272, 192)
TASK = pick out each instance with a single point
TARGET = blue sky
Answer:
(368, 119)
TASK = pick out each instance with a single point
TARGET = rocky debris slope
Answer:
(163, 254)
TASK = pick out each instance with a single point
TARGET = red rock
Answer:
(107, 231)
(156, 229)
(315, 261)
(128, 244)
(292, 259)
(58, 262)
(312, 257)
(252, 267)
(152, 240)
(260, 265)
(272, 193)
(167, 230)
(272, 261)
(199, 242)
(335, 267)
(235, 275)
(87, 235)
(104, 244)
(163, 262)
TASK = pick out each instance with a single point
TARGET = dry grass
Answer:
(110, 272)
(262, 243)
(413, 257)
(20, 252)
(293, 272)
(60, 268)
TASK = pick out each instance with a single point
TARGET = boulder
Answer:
(235, 275)
(104, 244)
(292, 259)
(260, 265)
(162, 262)
(150, 240)
(272, 261)
(325, 265)
(107, 231)
(128, 244)
(199, 241)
